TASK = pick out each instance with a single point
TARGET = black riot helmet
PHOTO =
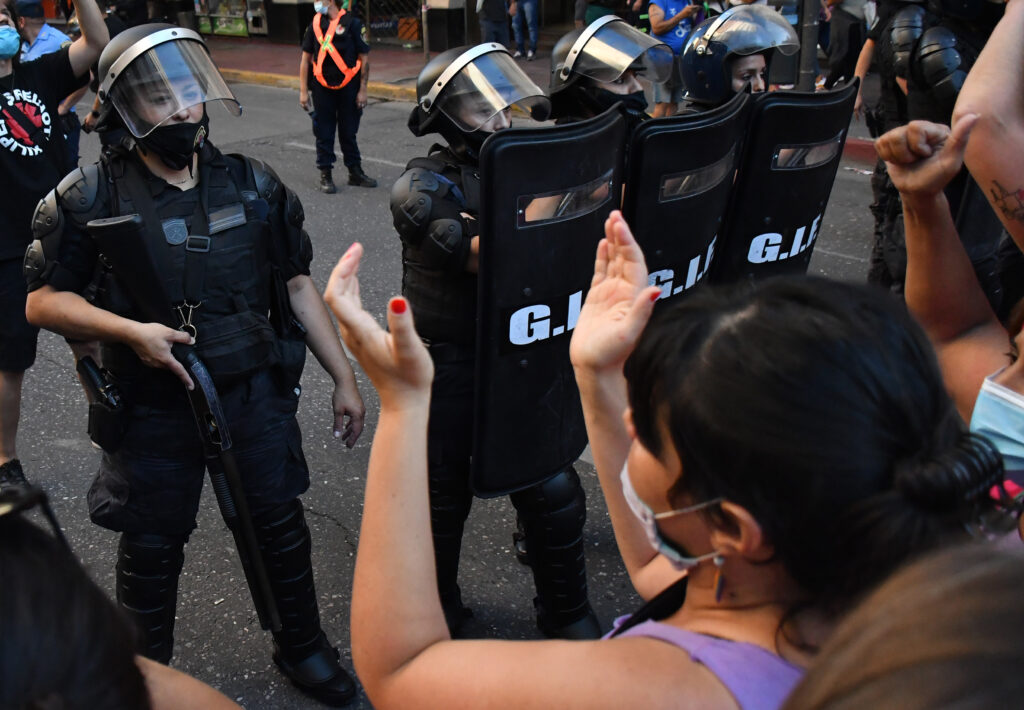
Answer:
(148, 73)
(739, 31)
(461, 91)
(601, 53)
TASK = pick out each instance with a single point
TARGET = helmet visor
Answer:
(616, 47)
(167, 79)
(750, 29)
(487, 86)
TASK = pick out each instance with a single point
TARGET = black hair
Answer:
(64, 643)
(16, 19)
(819, 407)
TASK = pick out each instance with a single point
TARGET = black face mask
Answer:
(604, 99)
(175, 144)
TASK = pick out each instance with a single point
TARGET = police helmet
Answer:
(739, 31)
(604, 50)
(470, 85)
(148, 73)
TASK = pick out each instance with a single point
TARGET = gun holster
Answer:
(107, 426)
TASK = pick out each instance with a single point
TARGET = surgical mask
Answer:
(320, 7)
(999, 417)
(10, 42)
(649, 521)
(176, 143)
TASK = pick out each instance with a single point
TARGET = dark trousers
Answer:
(335, 109)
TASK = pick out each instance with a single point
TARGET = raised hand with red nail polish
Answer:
(396, 360)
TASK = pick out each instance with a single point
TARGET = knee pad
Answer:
(554, 510)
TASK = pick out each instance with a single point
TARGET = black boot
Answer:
(519, 543)
(301, 649)
(357, 177)
(552, 515)
(11, 475)
(327, 182)
(148, 567)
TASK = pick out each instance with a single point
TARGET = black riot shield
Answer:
(789, 163)
(678, 181)
(545, 193)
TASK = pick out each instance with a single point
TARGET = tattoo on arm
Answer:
(1009, 202)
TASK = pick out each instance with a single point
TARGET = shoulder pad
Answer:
(47, 228)
(268, 184)
(905, 29)
(293, 212)
(412, 202)
(82, 193)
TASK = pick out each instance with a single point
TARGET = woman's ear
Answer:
(742, 535)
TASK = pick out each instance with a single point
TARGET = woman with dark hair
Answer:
(785, 448)
(64, 644)
(945, 632)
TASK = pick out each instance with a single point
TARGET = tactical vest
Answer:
(212, 248)
(444, 302)
(326, 43)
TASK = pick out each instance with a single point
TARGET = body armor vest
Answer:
(444, 302)
(212, 248)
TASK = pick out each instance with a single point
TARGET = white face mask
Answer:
(320, 7)
(649, 520)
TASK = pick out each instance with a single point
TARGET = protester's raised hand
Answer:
(396, 362)
(618, 304)
(923, 157)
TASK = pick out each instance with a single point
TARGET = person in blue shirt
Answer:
(39, 38)
(671, 23)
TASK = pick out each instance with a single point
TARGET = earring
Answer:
(718, 561)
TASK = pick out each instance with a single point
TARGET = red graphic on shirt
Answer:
(32, 113)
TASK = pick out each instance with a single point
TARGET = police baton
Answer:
(122, 241)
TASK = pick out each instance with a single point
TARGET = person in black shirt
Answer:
(336, 63)
(33, 159)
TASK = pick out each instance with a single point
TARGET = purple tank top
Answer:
(757, 678)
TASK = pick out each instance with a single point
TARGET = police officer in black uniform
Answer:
(465, 94)
(934, 50)
(595, 67)
(227, 238)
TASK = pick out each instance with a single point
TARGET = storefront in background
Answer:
(234, 18)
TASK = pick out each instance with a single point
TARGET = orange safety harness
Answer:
(327, 47)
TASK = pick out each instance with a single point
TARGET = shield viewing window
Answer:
(693, 182)
(806, 155)
(558, 205)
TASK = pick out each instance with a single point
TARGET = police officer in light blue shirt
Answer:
(39, 38)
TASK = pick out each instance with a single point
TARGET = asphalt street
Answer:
(218, 638)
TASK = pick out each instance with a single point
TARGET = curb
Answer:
(374, 89)
(860, 150)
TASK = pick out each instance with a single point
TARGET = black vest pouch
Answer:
(237, 345)
(107, 426)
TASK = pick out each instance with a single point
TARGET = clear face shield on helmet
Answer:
(481, 84)
(609, 46)
(747, 29)
(168, 77)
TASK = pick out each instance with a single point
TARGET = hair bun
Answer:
(955, 480)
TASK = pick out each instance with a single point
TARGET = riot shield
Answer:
(678, 181)
(545, 193)
(790, 159)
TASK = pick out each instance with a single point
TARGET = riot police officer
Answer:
(226, 238)
(598, 66)
(465, 94)
(727, 52)
(934, 49)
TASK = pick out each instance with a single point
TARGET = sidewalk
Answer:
(393, 72)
